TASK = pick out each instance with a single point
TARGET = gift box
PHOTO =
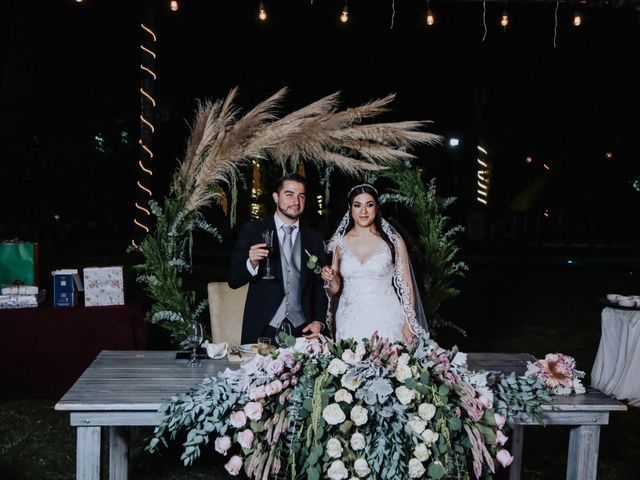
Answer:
(103, 286)
(18, 262)
(66, 284)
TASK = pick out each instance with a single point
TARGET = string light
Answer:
(545, 166)
(431, 19)
(608, 155)
(174, 5)
(344, 16)
(262, 12)
(577, 18)
(504, 20)
(528, 159)
(146, 126)
(484, 176)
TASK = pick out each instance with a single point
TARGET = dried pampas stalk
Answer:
(222, 141)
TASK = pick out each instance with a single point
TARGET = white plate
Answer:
(249, 348)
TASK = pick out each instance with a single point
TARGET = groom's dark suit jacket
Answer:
(265, 296)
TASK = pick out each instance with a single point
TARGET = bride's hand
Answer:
(327, 274)
(406, 332)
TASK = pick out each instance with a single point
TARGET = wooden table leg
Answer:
(582, 461)
(88, 453)
(517, 442)
(118, 453)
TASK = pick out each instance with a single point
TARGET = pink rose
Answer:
(222, 444)
(499, 420)
(294, 381)
(296, 368)
(485, 402)
(245, 438)
(504, 457)
(238, 419)
(234, 465)
(257, 393)
(276, 367)
(501, 438)
(253, 410)
(273, 388)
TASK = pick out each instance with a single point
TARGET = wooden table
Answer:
(122, 389)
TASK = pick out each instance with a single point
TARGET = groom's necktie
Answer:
(287, 241)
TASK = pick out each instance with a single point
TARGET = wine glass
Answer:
(329, 247)
(267, 238)
(194, 339)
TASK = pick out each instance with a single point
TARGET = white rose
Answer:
(351, 357)
(337, 471)
(459, 359)
(357, 441)
(429, 436)
(359, 415)
(417, 425)
(343, 396)
(421, 452)
(337, 367)
(334, 448)
(403, 372)
(333, 414)
(426, 411)
(404, 359)
(361, 467)
(416, 470)
(405, 395)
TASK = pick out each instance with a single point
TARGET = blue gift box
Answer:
(66, 284)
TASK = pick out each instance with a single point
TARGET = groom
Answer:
(295, 300)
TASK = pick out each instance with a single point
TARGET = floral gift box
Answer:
(103, 286)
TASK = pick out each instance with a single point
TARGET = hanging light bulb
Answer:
(174, 5)
(577, 18)
(344, 16)
(262, 12)
(431, 18)
(504, 20)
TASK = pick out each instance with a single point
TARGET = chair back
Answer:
(226, 309)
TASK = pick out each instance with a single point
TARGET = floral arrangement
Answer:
(558, 372)
(352, 409)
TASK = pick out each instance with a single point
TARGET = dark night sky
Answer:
(69, 72)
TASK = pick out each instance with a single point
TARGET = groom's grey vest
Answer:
(290, 307)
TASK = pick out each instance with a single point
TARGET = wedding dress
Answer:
(368, 302)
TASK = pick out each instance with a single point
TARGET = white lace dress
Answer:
(368, 302)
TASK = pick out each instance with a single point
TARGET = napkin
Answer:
(216, 350)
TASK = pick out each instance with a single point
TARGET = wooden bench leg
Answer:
(517, 442)
(88, 453)
(582, 461)
(118, 453)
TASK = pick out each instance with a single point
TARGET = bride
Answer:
(370, 277)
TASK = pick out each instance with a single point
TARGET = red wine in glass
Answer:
(267, 239)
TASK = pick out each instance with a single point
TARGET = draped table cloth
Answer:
(616, 370)
(44, 350)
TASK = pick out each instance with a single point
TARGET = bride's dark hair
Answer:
(377, 221)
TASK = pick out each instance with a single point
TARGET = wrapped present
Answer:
(20, 290)
(22, 300)
(18, 262)
(66, 284)
(103, 286)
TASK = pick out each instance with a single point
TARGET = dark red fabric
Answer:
(44, 350)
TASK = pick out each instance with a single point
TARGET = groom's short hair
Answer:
(295, 177)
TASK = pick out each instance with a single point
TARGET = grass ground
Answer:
(515, 306)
